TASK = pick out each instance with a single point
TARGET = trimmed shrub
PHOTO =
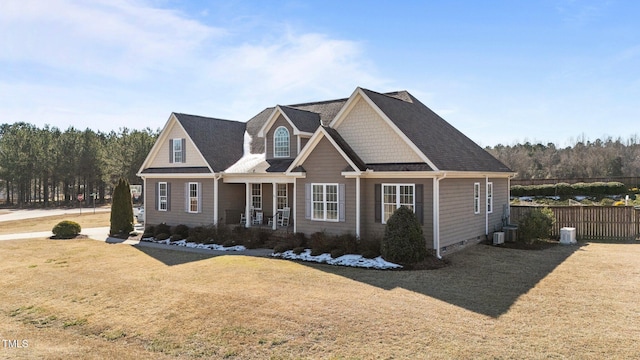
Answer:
(320, 243)
(161, 229)
(162, 236)
(403, 241)
(298, 250)
(121, 210)
(370, 247)
(181, 230)
(280, 248)
(536, 225)
(176, 237)
(336, 253)
(66, 229)
(564, 189)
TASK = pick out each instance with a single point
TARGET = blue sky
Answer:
(499, 71)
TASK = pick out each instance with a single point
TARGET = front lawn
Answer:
(88, 299)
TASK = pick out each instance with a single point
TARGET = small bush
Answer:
(298, 250)
(199, 234)
(162, 236)
(147, 235)
(66, 229)
(403, 241)
(320, 243)
(336, 253)
(229, 243)
(370, 247)
(536, 225)
(176, 237)
(162, 229)
(150, 230)
(280, 248)
(181, 230)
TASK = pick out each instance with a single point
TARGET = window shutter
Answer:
(199, 197)
(186, 197)
(307, 201)
(157, 196)
(171, 151)
(377, 206)
(420, 203)
(184, 150)
(168, 196)
(341, 202)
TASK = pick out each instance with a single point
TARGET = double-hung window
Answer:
(281, 142)
(489, 197)
(282, 196)
(395, 196)
(324, 202)
(177, 151)
(193, 197)
(163, 192)
(476, 198)
(256, 196)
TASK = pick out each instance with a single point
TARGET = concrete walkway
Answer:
(102, 234)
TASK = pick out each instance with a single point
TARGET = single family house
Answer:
(339, 166)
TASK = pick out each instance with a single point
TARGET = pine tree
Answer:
(121, 210)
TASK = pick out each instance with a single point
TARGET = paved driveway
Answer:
(20, 214)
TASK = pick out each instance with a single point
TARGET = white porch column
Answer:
(215, 200)
(294, 211)
(274, 219)
(247, 207)
(358, 207)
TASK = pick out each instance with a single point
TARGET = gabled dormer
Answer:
(287, 131)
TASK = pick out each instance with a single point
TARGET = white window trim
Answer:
(166, 196)
(259, 196)
(476, 198)
(176, 142)
(288, 153)
(325, 202)
(398, 204)
(489, 197)
(285, 197)
(196, 198)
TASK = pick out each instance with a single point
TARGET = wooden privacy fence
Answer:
(591, 222)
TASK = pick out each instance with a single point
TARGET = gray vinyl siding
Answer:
(177, 214)
(500, 201)
(372, 229)
(325, 165)
(231, 202)
(458, 223)
(293, 142)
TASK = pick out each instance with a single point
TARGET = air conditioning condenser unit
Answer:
(498, 238)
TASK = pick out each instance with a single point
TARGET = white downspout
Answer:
(358, 207)
(144, 201)
(436, 214)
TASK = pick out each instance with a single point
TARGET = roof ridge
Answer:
(208, 117)
(294, 108)
(391, 93)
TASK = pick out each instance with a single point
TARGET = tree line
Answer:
(606, 158)
(47, 166)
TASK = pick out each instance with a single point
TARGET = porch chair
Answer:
(257, 220)
(243, 218)
(283, 220)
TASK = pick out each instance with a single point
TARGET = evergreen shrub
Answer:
(66, 229)
(403, 241)
(536, 225)
(121, 210)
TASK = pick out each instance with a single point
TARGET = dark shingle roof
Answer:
(177, 170)
(303, 120)
(346, 148)
(444, 145)
(279, 165)
(219, 141)
(326, 109)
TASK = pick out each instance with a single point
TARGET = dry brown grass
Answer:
(88, 299)
(99, 219)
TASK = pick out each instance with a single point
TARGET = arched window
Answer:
(281, 142)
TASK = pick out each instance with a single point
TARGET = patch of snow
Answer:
(344, 260)
(248, 162)
(196, 245)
